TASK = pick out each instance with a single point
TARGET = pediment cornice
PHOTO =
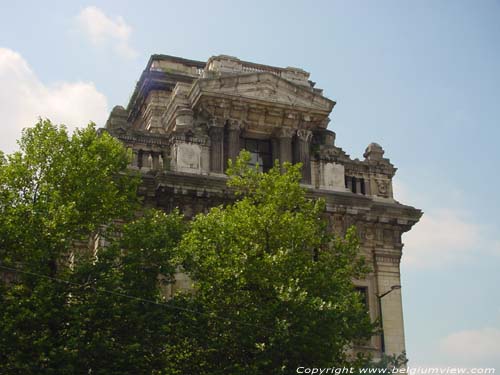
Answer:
(262, 88)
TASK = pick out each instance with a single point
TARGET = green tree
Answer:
(272, 286)
(67, 311)
(390, 362)
(120, 318)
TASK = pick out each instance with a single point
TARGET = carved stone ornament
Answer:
(285, 133)
(369, 235)
(215, 123)
(329, 154)
(383, 187)
(235, 125)
(304, 135)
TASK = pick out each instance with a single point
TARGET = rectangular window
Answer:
(355, 184)
(260, 152)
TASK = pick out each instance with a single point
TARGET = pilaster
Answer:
(216, 133)
(285, 144)
(388, 275)
(304, 142)
(233, 131)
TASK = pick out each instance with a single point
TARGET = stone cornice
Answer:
(265, 89)
(364, 208)
(330, 153)
(153, 80)
(393, 259)
(177, 104)
(141, 138)
(180, 60)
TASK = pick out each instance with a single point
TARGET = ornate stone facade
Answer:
(186, 118)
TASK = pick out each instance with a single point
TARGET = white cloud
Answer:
(104, 31)
(473, 347)
(23, 98)
(442, 236)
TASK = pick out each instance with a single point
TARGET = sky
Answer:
(421, 78)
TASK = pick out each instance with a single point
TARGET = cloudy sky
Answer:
(422, 78)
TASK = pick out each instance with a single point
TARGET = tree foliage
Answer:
(272, 287)
(274, 283)
(67, 311)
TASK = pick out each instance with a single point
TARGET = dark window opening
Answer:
(355, 184)
(260, 153)
(139, 158)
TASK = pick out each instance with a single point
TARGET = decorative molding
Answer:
(285, 132)
(235, 125)
(395, 259)
(382, 187)
(304, 135)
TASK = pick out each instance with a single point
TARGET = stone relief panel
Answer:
(187, 157)
(383, 188)
(332, 176)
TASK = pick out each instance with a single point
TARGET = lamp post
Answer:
(379, 297)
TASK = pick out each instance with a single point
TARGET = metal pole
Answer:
(379, 297)
(382, 338)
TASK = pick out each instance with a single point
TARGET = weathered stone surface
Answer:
(187, 157)
(186, 118)
(333, 176)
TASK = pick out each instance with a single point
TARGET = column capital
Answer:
(216, 122)
(285, 132)
(304, 135)
(235, 125)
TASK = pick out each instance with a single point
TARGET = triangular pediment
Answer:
(262, 87)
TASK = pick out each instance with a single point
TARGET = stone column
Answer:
(233, 132)
(275, 149)
(145, 160)
(285, 144)
(358, 185)
(367, 186)
(216, 133)
(156, 163)
(135, 159)
(304, 142)
(150, 160)
(161, 165)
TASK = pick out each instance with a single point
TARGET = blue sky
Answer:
(420, 78)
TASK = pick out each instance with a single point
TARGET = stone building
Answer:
(186, 118)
